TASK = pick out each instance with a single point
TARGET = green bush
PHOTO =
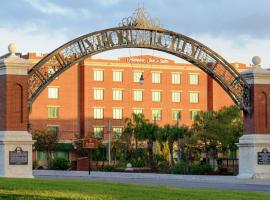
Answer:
(137, 157)
(108, 168)
(180, 168)
(59, 164)
(194, 169)
(164, 167)
(34, 164)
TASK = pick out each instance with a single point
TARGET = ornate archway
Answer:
(139, 31)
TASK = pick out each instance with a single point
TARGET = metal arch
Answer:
(140, 37)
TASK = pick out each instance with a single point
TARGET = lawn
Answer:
(85, 189)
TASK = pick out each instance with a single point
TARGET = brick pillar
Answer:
(14, 117)
(256, 125)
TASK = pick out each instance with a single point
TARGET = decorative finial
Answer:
(140, 18)
(12, 48)
(256, 60)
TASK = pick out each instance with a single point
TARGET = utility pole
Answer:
(155, 145)
(109, 141)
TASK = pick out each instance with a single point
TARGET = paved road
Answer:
(181, 181)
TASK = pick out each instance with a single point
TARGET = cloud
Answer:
(29, 40)
(48, 7)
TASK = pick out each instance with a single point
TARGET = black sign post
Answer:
(18, 157)
(264, 157)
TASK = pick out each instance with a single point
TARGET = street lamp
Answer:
(141, 79)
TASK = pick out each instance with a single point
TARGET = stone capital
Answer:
(257, 75)
(14, 65)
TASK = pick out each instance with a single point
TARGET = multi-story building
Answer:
(85, 97)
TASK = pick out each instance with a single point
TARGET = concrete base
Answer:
(9, 141)
(249, 146)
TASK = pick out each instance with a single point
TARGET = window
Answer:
(53, 129)
(193, 79)
(117, 95)
(137, 76)
(137, 95)
(176, 78)
(138, 110)
(156, 96)
(193, 114)
(98, 132)
(176, 114)
(117, 132)
(193, 97)
(176, 96)
(53, 92)
(41, 155)
(117, 76)
(155, 77)
(98, 75)
(62, 154)
(53, 112)
(156, 114)
(98, 94)
(117, 113)
(98, 113)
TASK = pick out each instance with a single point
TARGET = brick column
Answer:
(14, 117)
(256, 124)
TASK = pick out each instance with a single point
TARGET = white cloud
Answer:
(239, 48)
(48, 7)
(29, 41)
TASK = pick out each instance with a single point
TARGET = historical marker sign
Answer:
(90, 143)
(18, 157)
(264, 157)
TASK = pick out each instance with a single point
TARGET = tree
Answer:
(45, 140)
(173, 134)
(218, 128)
(148, 131)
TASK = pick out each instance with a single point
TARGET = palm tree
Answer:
(173, 134)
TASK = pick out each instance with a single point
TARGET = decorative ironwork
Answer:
(140, 34)
(140, 18)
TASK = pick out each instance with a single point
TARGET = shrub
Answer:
(180, 168)
(164, 167)
(137, 157)
(108, 168)
(195, 169)
(34, 164)
(59, 164)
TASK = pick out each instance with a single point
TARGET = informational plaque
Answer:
(18, 157)
(264, 157)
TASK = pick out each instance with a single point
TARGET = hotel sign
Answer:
(18, 157)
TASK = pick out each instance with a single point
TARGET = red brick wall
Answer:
(13, 102)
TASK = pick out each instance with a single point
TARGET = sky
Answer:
(235, 29)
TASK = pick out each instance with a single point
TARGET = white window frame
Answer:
(137, 76)
(53, 114)
(117, 76)
(176, 96)
(117, 113)
(175, 113)
(101, 131)
(176, 78)
(194, 79)
(156, 77)
(98, 113)
(156, 96)
(137, 95)
(117, 94)
(98, 74)
(137, 110)
(193, 97)
(53, 92)
(98, 93)
(155, 115)
(192, 115)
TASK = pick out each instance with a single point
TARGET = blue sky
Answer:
(236, 29)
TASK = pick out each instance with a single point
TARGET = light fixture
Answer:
(141, 79)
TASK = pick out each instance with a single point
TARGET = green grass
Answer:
(84, 189)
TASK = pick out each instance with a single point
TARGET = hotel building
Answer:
(85, 97)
